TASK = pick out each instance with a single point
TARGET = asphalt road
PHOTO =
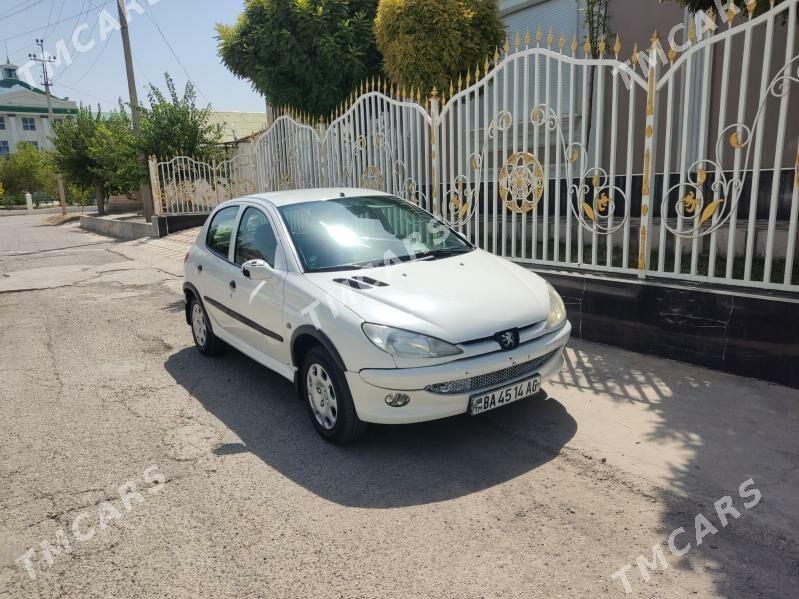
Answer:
(175, 475)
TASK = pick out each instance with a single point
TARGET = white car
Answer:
(376, 309)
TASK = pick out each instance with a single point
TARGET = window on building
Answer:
(5, 150)
(28, 124)
(2, 123)
(35, 144)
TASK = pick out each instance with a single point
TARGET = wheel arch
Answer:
(190, 292)
(305, 338)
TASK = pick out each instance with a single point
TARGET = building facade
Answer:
(633, 20)
(23, 112)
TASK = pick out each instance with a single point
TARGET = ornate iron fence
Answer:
(681, 165)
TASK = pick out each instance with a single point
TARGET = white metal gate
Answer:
(184, 185)
(680, 165)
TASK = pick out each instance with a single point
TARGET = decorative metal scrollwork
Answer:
(461, 198)
(195, 184)
(698, 215)
(410, 188)
(592, 199)
(372, 178)
(521, 182)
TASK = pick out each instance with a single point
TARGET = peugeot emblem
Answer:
(508, 340)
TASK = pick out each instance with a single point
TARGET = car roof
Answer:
(299, 196)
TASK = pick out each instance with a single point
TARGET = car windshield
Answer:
(357, 232)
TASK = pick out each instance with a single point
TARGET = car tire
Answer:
(324, 389)
(206, 342)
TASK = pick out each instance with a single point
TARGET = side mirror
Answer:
(257, 270)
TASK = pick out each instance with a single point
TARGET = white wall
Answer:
(14, 133)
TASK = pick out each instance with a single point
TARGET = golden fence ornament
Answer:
(521, 182)
(372, 178)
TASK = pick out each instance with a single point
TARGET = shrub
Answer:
(308, 54)
(428, 44)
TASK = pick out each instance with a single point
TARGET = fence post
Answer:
(155, 186)
(649, 170)
(323, 175)
(434, 110)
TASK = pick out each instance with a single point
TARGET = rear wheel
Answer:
(328, 398)
(207, 343)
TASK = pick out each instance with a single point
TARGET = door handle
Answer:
(199, 268)
(232, 284)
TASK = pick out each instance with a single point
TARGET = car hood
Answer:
(457, 299)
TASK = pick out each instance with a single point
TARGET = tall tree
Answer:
(308, 54)
(98, 153)
(429, 44)
(173, 125)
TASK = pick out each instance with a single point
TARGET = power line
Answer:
(11, 14)
(91, 32)
(17, 5)
(166, 41)
(96, 60)
(16, 35)
(142, 69)
(85, 93)
(49, 17)
(60, 11)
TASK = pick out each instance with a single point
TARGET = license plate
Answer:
(504, 396)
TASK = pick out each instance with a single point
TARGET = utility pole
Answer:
(144, 187)
(45, 60)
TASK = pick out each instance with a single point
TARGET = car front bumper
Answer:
(369, 387)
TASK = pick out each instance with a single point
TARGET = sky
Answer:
(96, 74)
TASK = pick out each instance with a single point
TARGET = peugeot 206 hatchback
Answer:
(376, 309)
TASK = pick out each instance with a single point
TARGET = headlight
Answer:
(557, 311)
(406, 344)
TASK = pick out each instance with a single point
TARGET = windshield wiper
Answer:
(354, 266)
(443, 253)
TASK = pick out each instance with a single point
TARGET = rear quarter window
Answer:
(220, 231)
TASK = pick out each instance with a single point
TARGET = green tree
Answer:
(25, 170)
(308, 54)
(428, 44)
(173, 125)
(98, 153)
(114, 153)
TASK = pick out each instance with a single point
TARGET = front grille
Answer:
(492, 379)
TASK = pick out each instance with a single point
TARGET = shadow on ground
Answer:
(393, 466)
(729, 429)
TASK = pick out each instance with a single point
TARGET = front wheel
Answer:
(328, 398)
